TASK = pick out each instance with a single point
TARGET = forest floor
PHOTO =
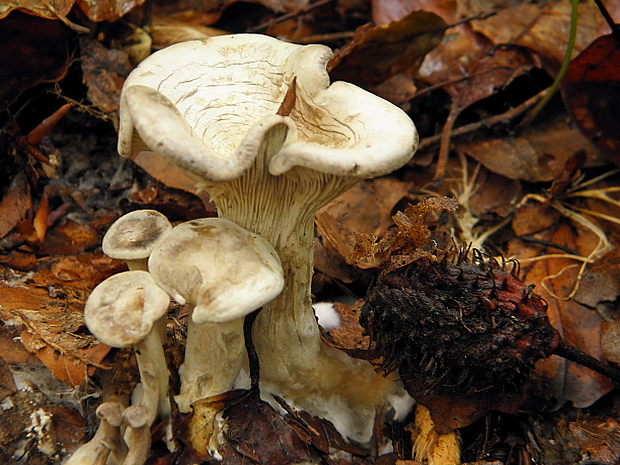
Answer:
(540, 188)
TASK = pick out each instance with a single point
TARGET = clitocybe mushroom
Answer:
(132, 237)
(255, 122)
(137, 418)
(107, 440)
(122, 312)
(224, 273)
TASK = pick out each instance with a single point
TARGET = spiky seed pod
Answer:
(463, 324)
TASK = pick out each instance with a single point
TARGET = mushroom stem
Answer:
(106, 440)
(137, 435)
(213, 359)
(154, 374)
(295, 363)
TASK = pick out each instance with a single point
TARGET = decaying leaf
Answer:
(538, 154)
(542, 28)
(104, 73)
(401, 245)
(36, 48)
(339, 221)
(15, 203)
(601, 281)
(49, 306)
(107, 10)
(377, 53)
(591, 91)
(49, 9)
(555, 278)
(37, 431)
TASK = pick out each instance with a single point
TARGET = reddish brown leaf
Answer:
(591, 91)
(378, 53)
(15, 203)
(536, 155)
(104, 73)
(107, 10)
(258, 433)
(555, 278)
(68, 238)
(49, 305)
(450, 414)
(49, 9)
(542, 28)
(7, 384)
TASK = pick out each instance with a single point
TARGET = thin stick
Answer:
(252, 355)
(485, 123)
(569, 352)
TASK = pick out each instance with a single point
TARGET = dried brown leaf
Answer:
(107, 10)
(33, 50)
(49, 9)
(537, 155)
(542, 27)
(579, 325)
(377, 53)
(104, 74)
(15, 203)
(49, 306)
(402, 245)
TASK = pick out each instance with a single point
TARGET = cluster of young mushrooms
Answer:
(255, 123)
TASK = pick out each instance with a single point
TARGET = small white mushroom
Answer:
(223, 273)
(214, 108)
(107, 440)
(132, 237)
(137, 435)
(121, 312)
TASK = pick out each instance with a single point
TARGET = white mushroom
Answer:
(256, 123)
(224, 273)
(122, 312)
(132, 237)
(106, 440)
(137, 435)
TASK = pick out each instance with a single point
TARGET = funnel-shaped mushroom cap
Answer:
(121, 310)
(224, 271)
(133, 236)
(208, 105)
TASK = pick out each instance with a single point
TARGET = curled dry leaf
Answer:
(104, 73)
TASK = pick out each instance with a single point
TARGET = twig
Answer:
(487, 122)
(248, 322)
(292, 14)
